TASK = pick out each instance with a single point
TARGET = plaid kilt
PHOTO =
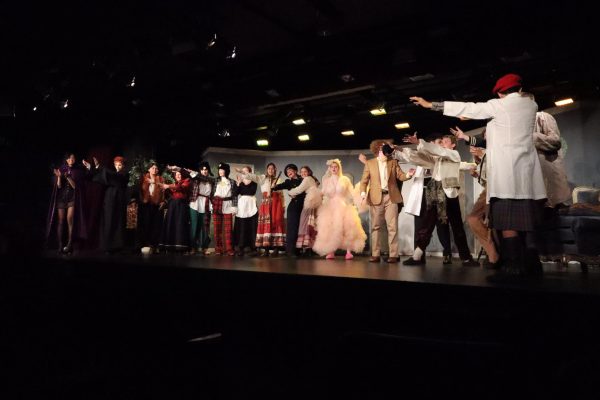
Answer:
(524, 215)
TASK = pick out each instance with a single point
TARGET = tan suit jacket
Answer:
(370, 177)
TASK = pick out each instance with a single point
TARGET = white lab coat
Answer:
(513, 166)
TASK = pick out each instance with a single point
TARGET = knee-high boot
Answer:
(513, 266)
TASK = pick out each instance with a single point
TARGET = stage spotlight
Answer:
(304, 137)
(563, 102)
(212, 41)
(65, 104)
(299, 121)
(402, 125)
(262, 142)
(233, 53)
(132, 83)
(34, 108)
(348, 133)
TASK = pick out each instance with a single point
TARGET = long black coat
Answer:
(114, 208)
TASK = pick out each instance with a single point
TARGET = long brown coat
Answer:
(370, 177)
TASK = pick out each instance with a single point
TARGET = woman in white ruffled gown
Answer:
(338, 223)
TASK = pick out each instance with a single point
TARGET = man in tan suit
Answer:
(381, 175)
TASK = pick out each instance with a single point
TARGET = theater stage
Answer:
(557, 278)
(228, 327)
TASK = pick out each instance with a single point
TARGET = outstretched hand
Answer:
(412, 139)
(477, 151)
(86, 164)
(96, 162)
(56, 172)
(459, 133)
(419, 101)
(362, 158)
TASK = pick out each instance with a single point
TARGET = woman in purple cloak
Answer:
(66, 204)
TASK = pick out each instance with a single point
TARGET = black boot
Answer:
(513, 269)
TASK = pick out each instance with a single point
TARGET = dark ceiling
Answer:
(328, 61)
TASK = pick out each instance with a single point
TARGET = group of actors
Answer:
(176, 217)
(517, 160)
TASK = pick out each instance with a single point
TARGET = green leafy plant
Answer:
(140, 166)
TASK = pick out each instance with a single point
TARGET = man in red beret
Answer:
(515, 184)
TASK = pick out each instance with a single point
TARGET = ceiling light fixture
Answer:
(402, 125)
(563, 102)
(262, 142)
(304, 137)
(378, 111)
(262, 128)
(348, 133)
(299, 121)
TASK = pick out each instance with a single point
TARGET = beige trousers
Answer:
(386, 212)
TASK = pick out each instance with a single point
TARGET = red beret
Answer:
(506, 82)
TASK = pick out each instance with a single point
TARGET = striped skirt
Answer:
(307, 232)
(271, 225)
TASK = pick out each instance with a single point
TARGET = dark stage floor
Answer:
(164, 326)
(556, 276)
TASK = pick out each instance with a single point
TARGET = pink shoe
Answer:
(349, 256)
(330, 256)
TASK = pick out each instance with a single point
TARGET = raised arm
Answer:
(436, 150)
(459, 109)
(303, 187)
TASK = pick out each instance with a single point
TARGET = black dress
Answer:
(114, 208)
(244, 232)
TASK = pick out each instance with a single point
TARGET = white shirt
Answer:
(200, 202)
(223, 189)
(383, 172)
(446, 164)
(263, 181)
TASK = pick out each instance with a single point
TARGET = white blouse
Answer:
(223, 189)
